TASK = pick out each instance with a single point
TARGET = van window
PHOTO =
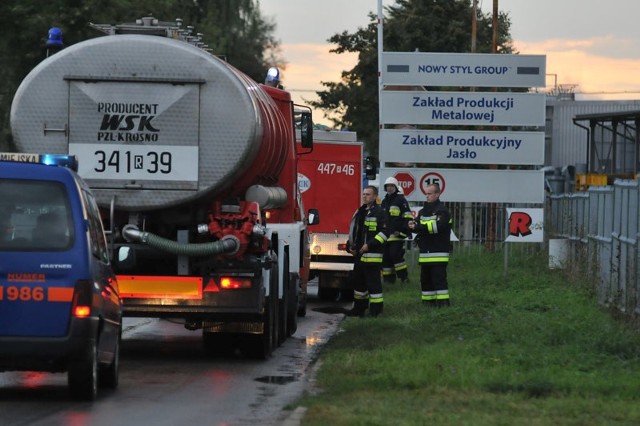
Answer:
(35, 216)
(96, 232)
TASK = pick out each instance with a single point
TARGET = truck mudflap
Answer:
(239, 327)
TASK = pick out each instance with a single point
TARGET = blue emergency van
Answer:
(60, 310)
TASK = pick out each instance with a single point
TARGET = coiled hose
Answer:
(228, 244)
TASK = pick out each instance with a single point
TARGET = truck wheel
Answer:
(261, 345)
(288, 304)
(218, 344)
(277, 319)
(292, 314)
(283, 312)
(302, 306)
(83, 374)
(108, 374)
(327, 293)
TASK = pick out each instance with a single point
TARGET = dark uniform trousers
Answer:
(368, 226)
(394, 264)
(433, 229)
(367, 286)
(433, 282)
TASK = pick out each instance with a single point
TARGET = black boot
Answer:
(359, 308)
(430, 303)
(376, 309)
(442, 303)
(403, 276)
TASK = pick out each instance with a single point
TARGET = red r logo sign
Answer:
(520, 224)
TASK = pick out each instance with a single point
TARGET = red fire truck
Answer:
(330, 179)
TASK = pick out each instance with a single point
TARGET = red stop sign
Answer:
(406, 182)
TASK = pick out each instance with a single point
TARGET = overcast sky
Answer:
(594, 45)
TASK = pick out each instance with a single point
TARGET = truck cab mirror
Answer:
(306, 130)
(313, 217)
(371, 168)
(125, 258)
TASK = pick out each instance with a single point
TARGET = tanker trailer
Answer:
(194, 167)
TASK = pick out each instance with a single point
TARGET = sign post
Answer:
(462, 108)
(465, 127)
(463, 69)
(463, 146)
(409, 107)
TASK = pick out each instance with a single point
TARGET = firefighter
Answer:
(398, 217)
(433, 231)
(367, 236)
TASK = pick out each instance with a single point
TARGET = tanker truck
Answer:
(194, 167)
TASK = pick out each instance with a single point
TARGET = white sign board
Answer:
(462, 108)
(475, 185)
(525, 225)
(461, 147)
(463, 69)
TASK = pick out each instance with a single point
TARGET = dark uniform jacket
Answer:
(369, 226)
(434, 229)
(399, 215)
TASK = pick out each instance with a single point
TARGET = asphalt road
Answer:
(166, 378)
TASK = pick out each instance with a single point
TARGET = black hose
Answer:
(228, 244)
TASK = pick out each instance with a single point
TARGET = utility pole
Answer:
(474, 26)
(492, 214)
(494, 43)
(467, 212)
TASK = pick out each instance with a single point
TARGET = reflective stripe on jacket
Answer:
(369, 226)
(433, 231)
(399, 215)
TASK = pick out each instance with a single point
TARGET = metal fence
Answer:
(481, 224)
(480, 227)
(601, 228)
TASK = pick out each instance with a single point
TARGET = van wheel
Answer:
(83, 374)
(108, 374)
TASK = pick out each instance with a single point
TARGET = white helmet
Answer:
(392, 181)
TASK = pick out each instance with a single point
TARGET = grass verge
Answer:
(536, 350)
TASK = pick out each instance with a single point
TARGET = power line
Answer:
(301, 90)
(622, 92)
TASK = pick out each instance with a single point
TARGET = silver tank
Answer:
(155, 122)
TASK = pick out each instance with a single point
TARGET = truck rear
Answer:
(330, 179)
(194, 167)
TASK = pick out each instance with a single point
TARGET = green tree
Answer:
(409, 25)
(242, 36)
(233, 29)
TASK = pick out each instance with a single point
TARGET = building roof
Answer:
(610, 116)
